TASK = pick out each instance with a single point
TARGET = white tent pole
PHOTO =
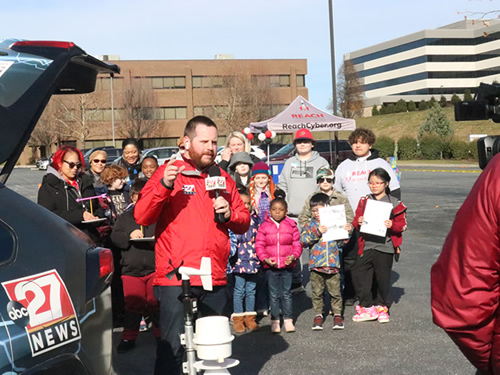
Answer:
(268, 155)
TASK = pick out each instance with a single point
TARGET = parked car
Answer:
(55, 296)
(255, 150)
(113, 154)
(43, 163)
(322, 146)
(273, 147)
(162, 154)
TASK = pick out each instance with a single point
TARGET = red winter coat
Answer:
(276, 243)
(398, 218)
(185, 229)
(465, 281)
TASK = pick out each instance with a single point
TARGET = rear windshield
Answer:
(18, 71)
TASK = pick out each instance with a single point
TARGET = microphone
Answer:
(216, 182)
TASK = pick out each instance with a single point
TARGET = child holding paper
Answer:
(324, 264)
(375, 254)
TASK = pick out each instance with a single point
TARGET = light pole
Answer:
(334, 81)
(112, 111)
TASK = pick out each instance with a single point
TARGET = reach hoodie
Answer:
(298, 180)
(351, 177)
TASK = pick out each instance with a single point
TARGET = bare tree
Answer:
(349, 91)
(47, 130)
(241, 99)
(77, 114)
(137, 118)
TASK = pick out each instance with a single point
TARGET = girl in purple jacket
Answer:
(278, 247)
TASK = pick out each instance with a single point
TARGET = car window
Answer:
(285, 149)
(7, 243)
(165, 153)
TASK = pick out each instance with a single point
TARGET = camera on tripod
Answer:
(486, 105)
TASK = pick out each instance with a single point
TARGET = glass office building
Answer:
(443, 61)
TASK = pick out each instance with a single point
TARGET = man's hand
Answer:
(171, 172)
(137, 234)
(88, 216)
(227, 154)
(221, 206)
(289, 259)
(388, 223)
(270, 262)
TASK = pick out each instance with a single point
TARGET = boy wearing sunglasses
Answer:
(325, 179)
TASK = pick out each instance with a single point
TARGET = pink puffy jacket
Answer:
(277, 242)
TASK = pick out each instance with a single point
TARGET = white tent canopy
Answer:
(301, 114)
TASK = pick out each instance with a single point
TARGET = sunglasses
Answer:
(323, 179)
(103, 161)
(72, 165)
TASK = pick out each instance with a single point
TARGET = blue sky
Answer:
(200, 29)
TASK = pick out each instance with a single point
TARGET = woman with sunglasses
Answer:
(63, 186)
(97, 161)
(325, 178)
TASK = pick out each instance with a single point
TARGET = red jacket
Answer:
(398, 218)
(277, 243)
(185, 229)
(465, 281)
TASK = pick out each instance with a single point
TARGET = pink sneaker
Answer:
(364, 314)
(275, 326)
(383, 315)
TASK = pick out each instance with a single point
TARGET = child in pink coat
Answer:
(278, 247)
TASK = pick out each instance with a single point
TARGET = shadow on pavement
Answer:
(268, 343)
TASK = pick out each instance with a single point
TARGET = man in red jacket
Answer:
(465, 279)
(176, 199)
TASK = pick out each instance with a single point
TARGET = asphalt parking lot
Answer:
(409, 344)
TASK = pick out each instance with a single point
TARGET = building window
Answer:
(279, 81)
(170, 113)
(301, 80)
(163, 82)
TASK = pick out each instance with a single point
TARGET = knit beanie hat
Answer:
(261, 167)
(324, 172)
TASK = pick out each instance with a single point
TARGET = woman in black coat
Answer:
(63, 186)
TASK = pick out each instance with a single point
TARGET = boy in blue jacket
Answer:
(324, 264)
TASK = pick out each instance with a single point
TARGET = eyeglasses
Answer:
(376, 183)
(323, 179)
(72, 165)
(102, 161)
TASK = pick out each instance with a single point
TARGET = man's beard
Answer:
(197, 158)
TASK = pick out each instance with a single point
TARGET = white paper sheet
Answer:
(333, 217)
(376, 213)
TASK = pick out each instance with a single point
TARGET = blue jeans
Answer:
(280, 282)
(170, 352)
(244, 288)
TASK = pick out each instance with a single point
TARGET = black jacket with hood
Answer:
(58, 196)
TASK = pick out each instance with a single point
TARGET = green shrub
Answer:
(412, 106)
(468, 96)
(390, 108)
(385, 146)
(401, 106)
(407, 148)
(459, 149)
(382, 110)
(442, 101)
(432, 102)
(432, 147)
(422, 106)
(455, 98)
(375, 111)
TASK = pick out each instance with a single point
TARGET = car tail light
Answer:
(43, 43)
(106, 265)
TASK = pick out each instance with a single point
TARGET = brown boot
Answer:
(239, 323)
(250, 321)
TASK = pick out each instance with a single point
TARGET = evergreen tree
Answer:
(455, 98)
(422, 106)
(432, 102)
(437, 123)
(375, 111)
(391, 108)
(400, 106)
(442, 101)
(383, 110)
(468, 96)
(412, 106)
